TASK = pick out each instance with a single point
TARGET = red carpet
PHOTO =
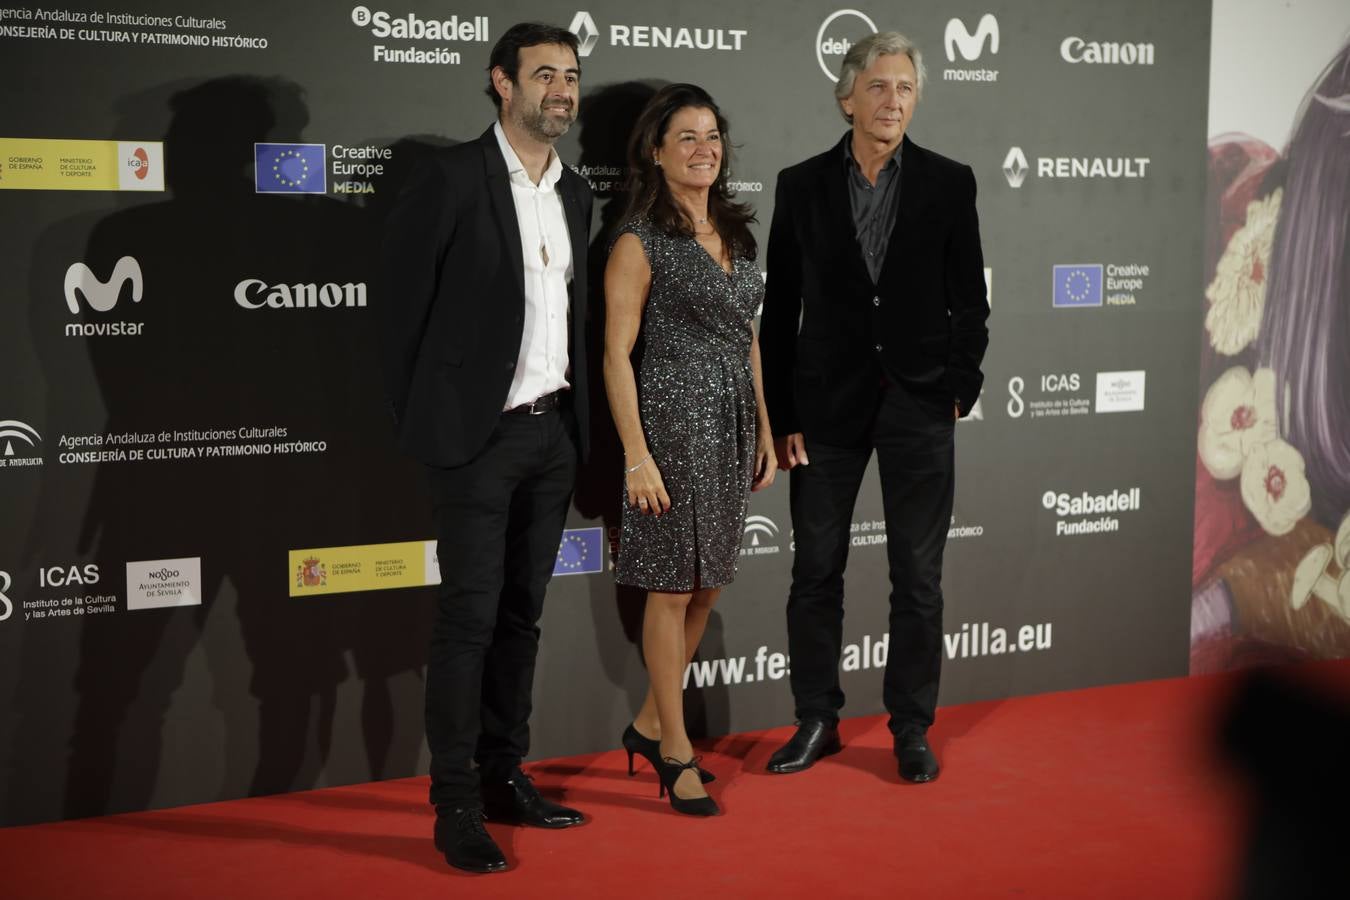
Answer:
(1111, 792)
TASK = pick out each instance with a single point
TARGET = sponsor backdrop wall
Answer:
(216, 577)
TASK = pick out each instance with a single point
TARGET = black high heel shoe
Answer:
(669, 771)
(650, 750)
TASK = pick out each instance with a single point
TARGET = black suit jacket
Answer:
(454, 300)
(922, 326)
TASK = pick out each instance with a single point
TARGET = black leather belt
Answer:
(546, 403)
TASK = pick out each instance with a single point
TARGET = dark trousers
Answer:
(499, 519)
(915, 459)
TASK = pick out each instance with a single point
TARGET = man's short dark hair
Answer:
(506, 52)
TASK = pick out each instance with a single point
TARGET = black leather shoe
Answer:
(460, 835)
(516, 799)
(917, 762)
(814, 738)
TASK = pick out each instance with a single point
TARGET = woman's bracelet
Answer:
(631, 469)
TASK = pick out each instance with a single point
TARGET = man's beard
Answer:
(542, 126)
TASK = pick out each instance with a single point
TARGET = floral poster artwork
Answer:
(1271, 571)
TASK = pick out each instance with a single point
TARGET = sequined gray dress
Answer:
(696, 395)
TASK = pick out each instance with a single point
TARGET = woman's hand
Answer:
(766, 461)
(646, 490)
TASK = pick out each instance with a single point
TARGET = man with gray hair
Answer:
(872, 336)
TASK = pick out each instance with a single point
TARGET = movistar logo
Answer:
(971, 45)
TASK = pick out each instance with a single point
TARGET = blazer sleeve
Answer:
(967, 299)
(781, 316)
(416, 237)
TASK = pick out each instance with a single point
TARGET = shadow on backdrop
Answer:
(204, 362)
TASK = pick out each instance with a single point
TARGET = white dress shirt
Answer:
(546, 248)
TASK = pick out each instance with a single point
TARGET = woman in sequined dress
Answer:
(695, 434)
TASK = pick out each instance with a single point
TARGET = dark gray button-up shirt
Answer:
(874, 207)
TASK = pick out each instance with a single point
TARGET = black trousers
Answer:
(915, 458)
(499, 519)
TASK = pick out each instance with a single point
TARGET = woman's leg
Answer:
(647, 722)
(666, 644)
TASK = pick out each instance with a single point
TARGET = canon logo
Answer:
(1076, 50)
(254, 293)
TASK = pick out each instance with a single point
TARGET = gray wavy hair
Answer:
(862, 54)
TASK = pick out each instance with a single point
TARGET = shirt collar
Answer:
(852, 165)
(516, 169)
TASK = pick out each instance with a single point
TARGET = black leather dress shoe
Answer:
(516, 799)
(917, 762)
(460, 835)
(814, 738)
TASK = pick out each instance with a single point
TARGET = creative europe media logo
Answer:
(581, 552)
(290, 169)
(1077, 285)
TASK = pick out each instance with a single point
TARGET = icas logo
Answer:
(841, 30)
(7, 607)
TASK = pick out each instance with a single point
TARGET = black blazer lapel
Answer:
(837, 207)
(503, 205)
(912, 183)
(839, 210)
(576, 223)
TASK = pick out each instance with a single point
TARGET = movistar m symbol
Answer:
(971, 45)
(102, 295)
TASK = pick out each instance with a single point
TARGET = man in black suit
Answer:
(484, 264)
(872, 336)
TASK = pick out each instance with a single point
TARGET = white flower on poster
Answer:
(1275, 487)
(1237, 416)
(1237, 295)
